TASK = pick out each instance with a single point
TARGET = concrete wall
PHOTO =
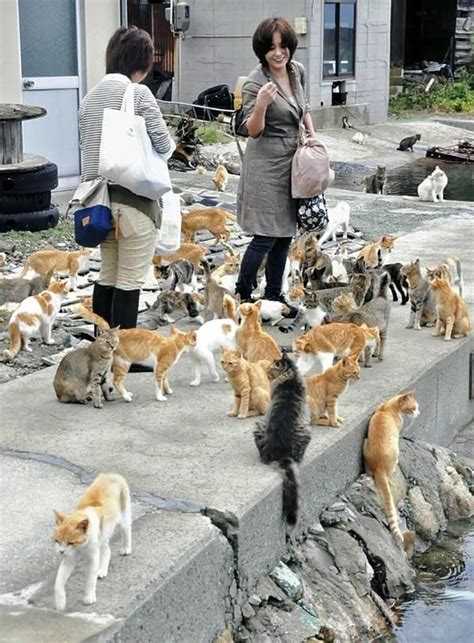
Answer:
(101, 19)
(10, 61)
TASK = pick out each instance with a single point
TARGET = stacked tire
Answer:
(25, 198)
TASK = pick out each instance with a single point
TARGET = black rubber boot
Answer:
(124, 314)
(102, 302)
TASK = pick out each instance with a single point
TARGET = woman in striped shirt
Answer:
(128, 250)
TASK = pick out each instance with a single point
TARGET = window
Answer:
(339, 38)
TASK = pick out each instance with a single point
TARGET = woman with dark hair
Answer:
(128, 250)
(275, 105)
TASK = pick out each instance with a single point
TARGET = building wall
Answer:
(101, 19)
(10, 60)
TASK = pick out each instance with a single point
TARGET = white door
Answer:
(50, 74)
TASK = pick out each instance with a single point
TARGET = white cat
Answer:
(432, 188)
(359, 138)
(338, 217)
(211, 337)
(272, 311)
(228, 282)
(339, 270)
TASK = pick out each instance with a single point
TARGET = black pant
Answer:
(276, 249)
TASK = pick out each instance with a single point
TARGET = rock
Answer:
(422, 515)
(248, 611)
(267, 590)
(457, 500)
(188, 198)
(255, 600)
(288, 581)
(350, 558)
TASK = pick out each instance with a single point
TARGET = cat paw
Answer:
(89, 599)
(102, 573)
(367, 365)
(340, 420)
(416, 327)
(435, 333)
(169, 391)
(50, 342)
(231, 414)
(447, 339)
(98, 405)
(60, 602)
(216, 379)
(127, 396)
(195, 383)
(28, 349)
(161, 398)
(125, 551)
(429, 324)
(242, 417)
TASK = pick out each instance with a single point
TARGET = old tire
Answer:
(42, 179)
(32, 221)
(14, 203)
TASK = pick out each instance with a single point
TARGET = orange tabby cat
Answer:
(190, 251)
(323, 391)
(230, 266)
(327, 341)
(221, 177)
(452, 315)
(374, 254)
(250, 383)
(381, 454)
(211, 219)
(344, 304)
(252, 340)
(69, 261)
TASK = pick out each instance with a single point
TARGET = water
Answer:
(404, 180)
(442, 607)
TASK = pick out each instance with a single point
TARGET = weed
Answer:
(210, 135)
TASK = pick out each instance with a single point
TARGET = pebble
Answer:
(255, 600)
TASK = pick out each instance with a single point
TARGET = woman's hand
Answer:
(266, 95)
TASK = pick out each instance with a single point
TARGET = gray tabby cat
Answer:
(310, 313)
(375, 183)
(16, 290)
(177, 275)
(82, 374)
(158, 314)
(422, 298)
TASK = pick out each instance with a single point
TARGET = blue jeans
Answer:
(276, 250)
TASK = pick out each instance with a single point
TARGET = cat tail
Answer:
(290, 491)
(383, 285)
(206, 267)
(382, 484)
(228, 247)
(228, 304)
(15, 341)
(230, 216)
(461, 281)
(99, 321)
(26, 267)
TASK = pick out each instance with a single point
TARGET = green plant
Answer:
(210, 135)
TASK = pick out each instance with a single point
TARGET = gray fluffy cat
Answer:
(16, 290)
(375, 183)
(82, 374)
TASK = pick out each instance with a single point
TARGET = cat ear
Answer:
(147, 305)
(194, 336)
(83, 525)
(363, 326)
(238, 298)
(59, 516)
(259, 304)
(417, 261)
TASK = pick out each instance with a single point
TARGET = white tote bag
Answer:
(169, 234)
(127, 156)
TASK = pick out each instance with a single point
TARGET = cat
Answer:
(83, 372)
(310, 313)
(316, 279)
(221, 178)
(374, 254)
(273, 311)
(323, 343)
(338, 216)
(71, 261)
(449, 268)
(200, 169)
(105, 504)
(422, 299)
(178, 275)
(432, 188)
(226, 275)
(375, 183)
(166, 303)
(211, 219)
(190, 251)
(359, 138)
(35, 316)
(452, 315)
(252, 340)
(398, 281)
(215, 294)
(15, 290)
(324, 390)
(249, 381)
(380, 450)
(408, 142)
(3, 258)
(282, 437)
(315, 258)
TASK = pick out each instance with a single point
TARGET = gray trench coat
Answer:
(264, 203)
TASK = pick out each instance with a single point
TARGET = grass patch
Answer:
(210, 135)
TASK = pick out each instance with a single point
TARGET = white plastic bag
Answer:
(127, 156)
(169, 234)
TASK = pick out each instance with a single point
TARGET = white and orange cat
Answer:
(325, 342)
(374, 254)
(250, 383)
(226, 274)
(193, 252)
(452, 315)
(221, 178)
(87, 531)
(70, 261)
(35, 316)
(381, 452)
(252, 340)
(323, 391)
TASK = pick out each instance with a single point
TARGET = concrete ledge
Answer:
(331, 116)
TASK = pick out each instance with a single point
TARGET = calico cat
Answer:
(167, 303)
(252, 340)
(250, 383)
(211, 219)
(450, 269)
(323, 343)
(190, 251)
(178, 275)
(375, 183)
(408, 142)
(338, 216)
(282, 437)
(45, 261)
(84, 371)
(422, 299)
(432, 188)
(324, 390)
(310, 314)
(381, 451)
(35, 316)
(104, 505)
(452, 315)
(15, 290)
(374, 254)
(221, 177)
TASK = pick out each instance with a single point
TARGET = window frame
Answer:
(338, 75)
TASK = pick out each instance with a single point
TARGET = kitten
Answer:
(422, 299)
(375, 183)
(338, 217)
(323, 343)
(432, 188)
(45, 261)
(104, 505)
(450, 269)
(252, 340)
(200, 169)
(324, 390)
(282, 437)
(190, 251)
(35, 316)
(250, 383)
(310, 313)
(381, 451)
(15, 290)
(83, 372)
(408, 142)
(452, 315)
(178, 275)
(221, 177)
(211, 219)
(374, 254)
(166, 303)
